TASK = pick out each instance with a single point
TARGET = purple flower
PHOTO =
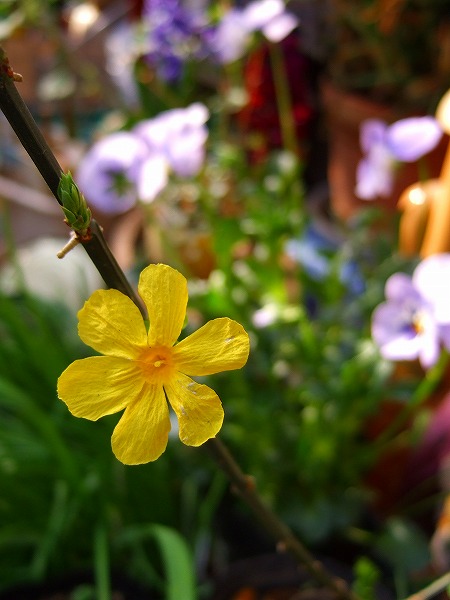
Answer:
(179, 135)
(126, 167)
(270, 17)
(108, 173)
(415, 319)
(231, 37)
(384, 145)
(175, 34)
(233, 34)
(121, 53)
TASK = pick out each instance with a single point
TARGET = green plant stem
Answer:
(286, 118)
(438, 586)
(101, 563)
(285, 539)
(283, 97)
(423, 391)
(31, 138)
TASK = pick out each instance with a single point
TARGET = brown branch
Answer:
(436, 587)
(283, 536)
(30, 136)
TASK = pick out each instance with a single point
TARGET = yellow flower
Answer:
(141, 369)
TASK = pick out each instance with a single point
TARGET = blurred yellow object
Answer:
(437, 238)
(437, 233)
(82, 18)
(443, 112)
(415, 205)
(425, 222)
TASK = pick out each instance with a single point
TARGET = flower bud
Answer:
(77, 213)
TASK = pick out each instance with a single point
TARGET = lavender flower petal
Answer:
(280, 27)
(186, 152)
(372, 132)
(179, 135)
(153, 177)
(259, 13)
(432, 278)
(230, 39)
(410, 139)
(399, 287)
(108, 172)
(374, 176)
(393, 334)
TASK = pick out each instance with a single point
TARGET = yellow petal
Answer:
(111, 323)
(164, 291)
(220, 345)
(99, 385)
(198, 408)
(141, 434)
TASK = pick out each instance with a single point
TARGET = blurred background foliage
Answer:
(301, 417)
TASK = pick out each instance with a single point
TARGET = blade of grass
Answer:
(101, 563)
(176, 557)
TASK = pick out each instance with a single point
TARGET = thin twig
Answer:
(438, 586)
(283, 536)
(30, 136)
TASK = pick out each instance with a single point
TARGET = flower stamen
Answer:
(157, 364)
(418, 323)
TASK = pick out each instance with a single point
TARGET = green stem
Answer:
(423, 391)
(284, 102)
(55, 527)
(101, 563)
(30, 136)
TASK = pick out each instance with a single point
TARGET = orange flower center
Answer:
(418, 323)
(157, 364)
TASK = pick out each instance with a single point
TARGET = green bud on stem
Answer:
(77, 213)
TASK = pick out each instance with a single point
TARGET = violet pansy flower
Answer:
(271, 18)
(108, 172)
(176, 33)
(414, 322)
(179, 135)
(232, 35)
(384, 145)
(230, 38)
(126, 167)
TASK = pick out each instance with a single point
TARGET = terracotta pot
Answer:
(344, 112)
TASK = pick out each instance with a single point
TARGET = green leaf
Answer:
(367, 576)
(403, 545)
(178, 564)
(176, 557)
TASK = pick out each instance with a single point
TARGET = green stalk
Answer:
(427, 386)
(101, 563)
(284, 102)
